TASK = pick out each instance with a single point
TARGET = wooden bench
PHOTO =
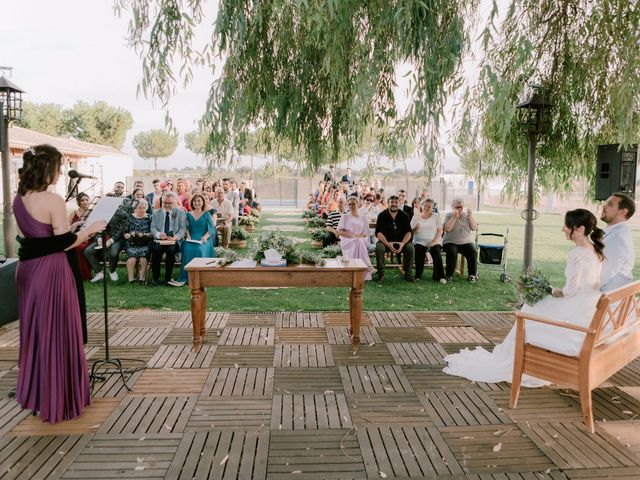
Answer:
(611, 342)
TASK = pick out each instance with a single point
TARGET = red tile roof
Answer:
(21, 139)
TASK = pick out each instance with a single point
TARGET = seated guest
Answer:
(138, 184)
(393, 231)
(353, 230)
(153, 198)
(617, 267)
(458, 226)
(74, 220)
(225, 214)
(138, 239)
(331, 235)
(311, 202)
(402, 204)
(137, 194)
(199, 227)
(167, 223)
(116, 229)
(427, 236)
(183, 194)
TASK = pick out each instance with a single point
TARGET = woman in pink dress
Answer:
(353, 230)
(52, 376)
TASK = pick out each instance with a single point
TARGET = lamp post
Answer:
(533, 117)
(10, 110)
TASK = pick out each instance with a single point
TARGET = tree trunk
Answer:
(155, 164)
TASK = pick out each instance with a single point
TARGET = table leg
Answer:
(355, 312)
(203, 313)
(196, 307)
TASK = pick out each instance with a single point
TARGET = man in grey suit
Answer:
(167, 223)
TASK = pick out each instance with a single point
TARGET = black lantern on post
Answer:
(534, 119)
(10, 110)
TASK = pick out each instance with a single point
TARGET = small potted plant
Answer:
(248, 222)
(317, 235)
(309, 214)
(238, 237)
(316, 222)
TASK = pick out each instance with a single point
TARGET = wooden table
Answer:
(202, 275)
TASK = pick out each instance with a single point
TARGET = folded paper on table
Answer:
(244, 263)
(277, 263)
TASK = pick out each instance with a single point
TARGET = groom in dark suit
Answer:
(167, 223)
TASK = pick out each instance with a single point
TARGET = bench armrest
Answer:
(548, 321)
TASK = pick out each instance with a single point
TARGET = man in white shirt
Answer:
(618, 244)
(224, 212)
(233, 197)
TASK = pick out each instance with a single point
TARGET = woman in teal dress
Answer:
(200, 227)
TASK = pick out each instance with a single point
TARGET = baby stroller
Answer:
(494, 254)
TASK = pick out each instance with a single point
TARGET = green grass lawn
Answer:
(550, 249)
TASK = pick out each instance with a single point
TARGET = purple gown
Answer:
(52, 377)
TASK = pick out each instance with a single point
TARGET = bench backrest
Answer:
(617, 312)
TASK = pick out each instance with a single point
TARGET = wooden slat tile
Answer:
(341, 336)
(388, 409)
(303, 356)
(112, 386)
(184, 336)
(420, 353)
(569, 445)
(96, 320)
(89, 422)
(488, 319)
(363, 379)
(456, 335)
(494, 449)
(154, 319)
(301, 335)
(231, 413)
(494, 334)
(456, 347)
(221, 454)
(394, 319)
(341, 319)
(310, 412)
(299, 320)
(307, 380)
(377, 354)
(8, 382)
(251, 320)
(424, 378)
(231, 381)
(10, 338)
(227, 356)
(254, 336)
(130, 357)
(324, 454)
(620, 473)
(125, 456)
(138, 337)
(537, 405)
(169, 381)
(213, 320)
(625, 432)
(608, 403)
(462, 407)
(435, 319)
(38, 457)
(182, 356)
(412, 334)
(395, 451)
(138, 414)
(11, 413)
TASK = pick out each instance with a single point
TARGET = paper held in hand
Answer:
(104, 210)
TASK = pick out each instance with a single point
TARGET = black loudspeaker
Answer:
(616, 170)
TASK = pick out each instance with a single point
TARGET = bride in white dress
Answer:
(574, 303)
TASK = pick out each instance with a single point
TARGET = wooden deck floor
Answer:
(282, 395)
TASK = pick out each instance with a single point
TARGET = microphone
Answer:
(79, 176)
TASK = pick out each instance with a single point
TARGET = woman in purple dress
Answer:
(52, 376)
(353, 231)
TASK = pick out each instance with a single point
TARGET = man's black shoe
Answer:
(380, 278)
(410, 278)
(154, 283)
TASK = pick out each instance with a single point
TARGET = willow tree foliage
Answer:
(309, 73)
(586, 53)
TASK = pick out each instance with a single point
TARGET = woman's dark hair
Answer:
(201, 197)
(80, 196)
(584, 218)
(134, 192)
(40, 166)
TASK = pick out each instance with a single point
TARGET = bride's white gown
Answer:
(581, 294)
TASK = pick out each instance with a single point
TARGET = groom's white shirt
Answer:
(620, 257)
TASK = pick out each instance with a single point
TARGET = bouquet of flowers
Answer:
(332, 251)
(532, 287)
(228, 255)
(309, 214)
(316, 222)
(279, 242)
